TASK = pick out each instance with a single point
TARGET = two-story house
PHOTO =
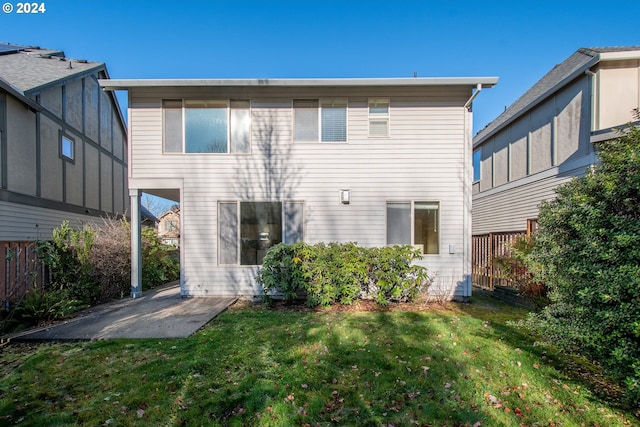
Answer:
(256, 162)
(550, 135)
(169, 226)
(62, 143)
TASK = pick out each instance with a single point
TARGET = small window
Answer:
(419, 220)
(67, 147)
(320, 120)
(379, 117)
(477, 157)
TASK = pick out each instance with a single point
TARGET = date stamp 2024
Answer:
(24, 8)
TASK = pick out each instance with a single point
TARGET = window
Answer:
(171, 226)
(417, 219)
(248, 229)
(477, 157)
(320, 120)
(206, 126)
(379, 117)
(67, 147)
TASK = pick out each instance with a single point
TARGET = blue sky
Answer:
(516, 40)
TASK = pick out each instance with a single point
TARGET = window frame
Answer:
(321, 102)
(476, 171)
(238, 231)
(412, 209)
(61, 149)
(386, 118)
(229, 131)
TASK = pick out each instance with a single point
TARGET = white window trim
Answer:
(320, 101)
(184, 127)
(412, 204)
(238, 230)
(387, 117)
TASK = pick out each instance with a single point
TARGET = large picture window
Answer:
(206, 126)
(248, 229)
(322, 120)
(414, 223)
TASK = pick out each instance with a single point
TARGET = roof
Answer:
(566, 71)
(29, 69)
(485, 82)
(146, 214)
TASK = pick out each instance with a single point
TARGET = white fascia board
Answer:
(620, 56)
(486, 82)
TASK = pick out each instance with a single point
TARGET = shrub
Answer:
(330, 273)
(519, 270)
(110, 258)
(160, 263)
(67, 257)
(41, 307)
(588, 245)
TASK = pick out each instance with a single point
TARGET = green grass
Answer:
(252, 366)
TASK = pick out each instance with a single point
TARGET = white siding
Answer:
(423, 159)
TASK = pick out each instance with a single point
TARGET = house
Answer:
(147, 219)
(547, 136)
(256, 162)
(62, 143)
(169, 226)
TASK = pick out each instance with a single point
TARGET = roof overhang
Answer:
(17, 93)
(485, 82)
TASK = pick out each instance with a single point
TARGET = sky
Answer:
(517, 40)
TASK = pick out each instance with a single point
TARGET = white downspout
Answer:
(473, 96)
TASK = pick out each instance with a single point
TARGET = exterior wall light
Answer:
(345, 197)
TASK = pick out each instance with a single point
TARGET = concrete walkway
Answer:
(159, 313)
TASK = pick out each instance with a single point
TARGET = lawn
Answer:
(454, 366)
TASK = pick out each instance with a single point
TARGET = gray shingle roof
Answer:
(576, 63)
(33, 68)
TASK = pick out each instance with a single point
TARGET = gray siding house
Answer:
(62, 143)
(257, 162)
(547, 136)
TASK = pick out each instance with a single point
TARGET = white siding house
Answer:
(547, 136)
(257, 162)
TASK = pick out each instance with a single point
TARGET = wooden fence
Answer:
(486, 248)
(20, 271)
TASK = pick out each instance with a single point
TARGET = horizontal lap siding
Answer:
(34, 223)
(509, 210)
(422, 160)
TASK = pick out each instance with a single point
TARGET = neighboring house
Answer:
(147, 219)
(62, 143)
(547, 136)
(257, 162)
(169, 226)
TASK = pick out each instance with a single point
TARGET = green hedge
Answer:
(331, 273)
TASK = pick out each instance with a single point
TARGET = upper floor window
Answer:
(67, 147)
(477, 157)
(322, 120)
(379, 117)
(206, 126)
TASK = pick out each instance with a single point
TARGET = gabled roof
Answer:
(566, 71)
(25, 70)
(30, 69)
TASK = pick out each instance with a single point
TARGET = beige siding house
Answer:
(62, 143)
(547, 136)
(258, 162)
(169, 227)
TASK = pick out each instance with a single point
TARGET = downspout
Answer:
(466, 220)
(473, 96)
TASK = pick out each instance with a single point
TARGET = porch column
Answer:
(136, 244)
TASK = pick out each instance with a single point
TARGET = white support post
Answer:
(136, 244)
